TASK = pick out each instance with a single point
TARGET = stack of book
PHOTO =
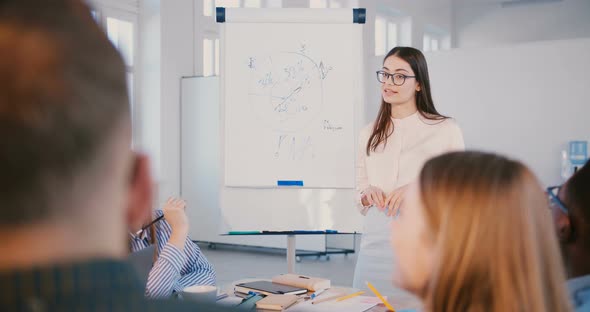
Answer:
(282, 291)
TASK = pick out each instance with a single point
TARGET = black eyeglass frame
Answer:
(389, 76)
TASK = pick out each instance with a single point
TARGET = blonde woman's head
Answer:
(477, 236)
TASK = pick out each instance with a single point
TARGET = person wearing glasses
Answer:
(407, 132)
(570, 205)
(178, 261)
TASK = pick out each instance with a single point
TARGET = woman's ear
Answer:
(418, 88)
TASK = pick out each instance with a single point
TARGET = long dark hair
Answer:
(383, 127)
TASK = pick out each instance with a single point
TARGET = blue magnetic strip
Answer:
(289, 183)
(220, 14)
(359, 15)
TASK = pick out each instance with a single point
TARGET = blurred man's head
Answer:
(66, 166)
(571, 211)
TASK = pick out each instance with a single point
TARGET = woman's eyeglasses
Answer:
(397, 79)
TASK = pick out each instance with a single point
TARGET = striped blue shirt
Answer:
(174, 269)
(579, 288)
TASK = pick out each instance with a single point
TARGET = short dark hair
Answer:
(62, 94)
(577, 198)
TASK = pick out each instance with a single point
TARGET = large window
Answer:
(318, 4)
(430, 43)
(392, 35)
(120, 32)
(120, 25)
(252, 3)
(211, 55)
(323, 4)
(209, 5)
(435, 39)
(387, 35)
(380, 36)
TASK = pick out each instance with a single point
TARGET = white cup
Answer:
(202, 293)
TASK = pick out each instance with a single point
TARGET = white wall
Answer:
(148, 93)
(487, 23)
(525, 101)
(177, 60)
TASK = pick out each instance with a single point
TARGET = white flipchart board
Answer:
(290, 90)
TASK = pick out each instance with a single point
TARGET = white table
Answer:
(400, 301)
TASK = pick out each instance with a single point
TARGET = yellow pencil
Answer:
(350, 296)
(389, 307)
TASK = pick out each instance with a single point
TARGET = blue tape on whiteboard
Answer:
(220, 14)
(289, 183)
(359, 16)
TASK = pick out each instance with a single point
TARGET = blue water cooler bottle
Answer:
(578, 154)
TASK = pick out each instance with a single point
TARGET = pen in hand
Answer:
(138, 233)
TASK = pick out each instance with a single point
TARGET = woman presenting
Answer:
(407, 132)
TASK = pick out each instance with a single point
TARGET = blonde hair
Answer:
(496, 247)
